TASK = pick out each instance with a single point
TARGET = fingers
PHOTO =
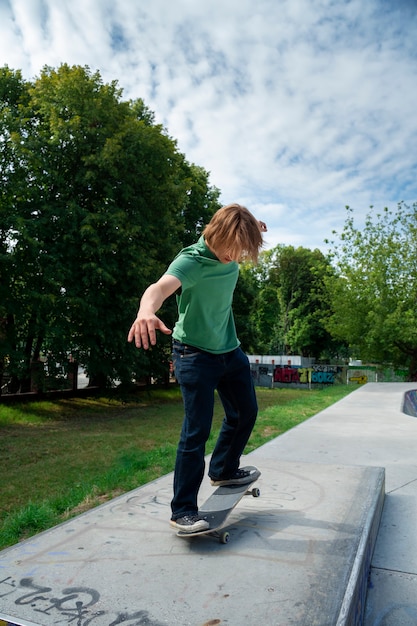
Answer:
(143, 332)
(147, 335)
(140, 334)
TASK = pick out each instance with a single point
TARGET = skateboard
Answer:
(217, 508)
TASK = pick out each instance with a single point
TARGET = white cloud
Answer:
(296, 107)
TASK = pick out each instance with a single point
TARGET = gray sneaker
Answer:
(190, 523)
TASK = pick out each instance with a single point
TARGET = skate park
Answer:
(331, 541)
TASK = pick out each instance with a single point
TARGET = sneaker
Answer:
(190, 523)
(241, 477)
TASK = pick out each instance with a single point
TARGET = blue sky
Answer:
(295, 107)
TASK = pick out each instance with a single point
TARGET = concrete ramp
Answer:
(298, 555)
(410, 402)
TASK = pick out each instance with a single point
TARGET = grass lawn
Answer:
(60, 458)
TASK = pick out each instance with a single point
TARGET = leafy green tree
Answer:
(202, 202)
(374, 289)
(13, 95)
(244, 308)
(96, 200)
(292, 302)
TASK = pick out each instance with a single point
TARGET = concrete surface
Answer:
(289, 561)
(369, 428)
(299, 555)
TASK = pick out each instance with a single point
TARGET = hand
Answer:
(144, 328)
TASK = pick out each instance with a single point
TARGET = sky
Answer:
(296, 108)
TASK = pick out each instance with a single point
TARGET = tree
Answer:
(374, 289)
(244, 308)
(292, 302)
(95, 201)
(202, 201)
(13, 95)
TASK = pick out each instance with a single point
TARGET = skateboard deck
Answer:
(217, 508)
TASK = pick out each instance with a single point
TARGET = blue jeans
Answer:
(199, 374)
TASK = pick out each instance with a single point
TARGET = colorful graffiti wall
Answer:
(271, 375)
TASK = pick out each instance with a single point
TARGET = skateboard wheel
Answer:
(225, 537)
(256, 492)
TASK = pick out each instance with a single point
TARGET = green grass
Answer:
(60, 458)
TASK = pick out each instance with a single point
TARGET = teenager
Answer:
(206, 354)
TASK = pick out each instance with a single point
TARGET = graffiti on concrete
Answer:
(361, 380)
(72, 605)
(322, 374)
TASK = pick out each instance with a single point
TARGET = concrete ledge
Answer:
(298, 555)
(353, 606)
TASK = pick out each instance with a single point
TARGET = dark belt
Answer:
(179, 344)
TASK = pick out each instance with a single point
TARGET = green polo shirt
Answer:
(205, 317)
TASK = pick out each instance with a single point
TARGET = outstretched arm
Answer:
(143, 330)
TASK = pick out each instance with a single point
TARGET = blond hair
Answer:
(234, 228)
